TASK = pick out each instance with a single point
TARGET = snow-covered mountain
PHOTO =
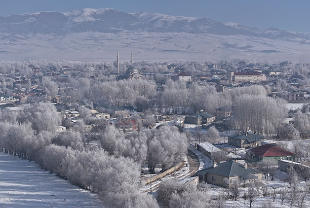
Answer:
(110, 20)
(140, 32)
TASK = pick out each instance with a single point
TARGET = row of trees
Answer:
(163, 147)
(192, 67)
(114, 177)
(260, 114)
(112, 170)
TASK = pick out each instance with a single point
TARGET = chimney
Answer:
(245, 166)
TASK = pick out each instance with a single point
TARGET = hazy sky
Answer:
(291, 15)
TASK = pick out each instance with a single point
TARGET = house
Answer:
(73, 114)
(183, 77)
(208, 149)
(296, 96)
(269, 152)
(275, 73)
(245, 140)
(103, 115)
(96, 114)
(127, 125)
(223, 112)
(228, 173)
(61, 129)
(246, 77)
(220, 88)
(199, 118)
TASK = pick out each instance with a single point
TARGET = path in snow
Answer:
(25, 184)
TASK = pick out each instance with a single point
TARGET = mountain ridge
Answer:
(97, 34)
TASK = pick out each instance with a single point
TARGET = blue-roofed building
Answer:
(245, 140)
(228, 173)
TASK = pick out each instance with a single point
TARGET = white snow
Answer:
(277, 184)
(84, 14)
(24, 184)
(209, 147)
(294, 106)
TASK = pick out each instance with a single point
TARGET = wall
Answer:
(218, 180)
(163, 174)
(234, 142)
(298, 167)
(275, 159)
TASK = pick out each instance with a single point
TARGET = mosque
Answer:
(131, 72)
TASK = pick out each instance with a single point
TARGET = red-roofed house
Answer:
(269, 152)
(127, 125)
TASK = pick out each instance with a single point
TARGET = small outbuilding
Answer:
(208, 149)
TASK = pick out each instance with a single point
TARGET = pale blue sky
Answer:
(291, 15)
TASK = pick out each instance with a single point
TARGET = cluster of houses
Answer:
(238, 171)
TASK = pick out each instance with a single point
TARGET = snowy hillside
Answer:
(24, 184)
(110, 20)
(94, 34)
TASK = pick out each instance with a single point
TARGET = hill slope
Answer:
(94, 34)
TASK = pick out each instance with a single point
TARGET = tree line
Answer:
(111, 169)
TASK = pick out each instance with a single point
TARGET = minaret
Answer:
(117, 60)
(131, 60)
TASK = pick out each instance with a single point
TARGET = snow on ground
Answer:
(228, 133)
(294, 106)
(259, 201)
(233, 151)
(25, 184)
(148, 46)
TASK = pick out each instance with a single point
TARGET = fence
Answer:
(163, 174)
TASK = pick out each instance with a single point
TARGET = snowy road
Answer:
(24, 184)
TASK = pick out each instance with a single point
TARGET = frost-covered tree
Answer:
(69, 139)
(49, 86)
(166, 147)
(42, 116)
(84, 112)
(132, 145)
(172, 193)
(302, 123)
(288, 132)
(259, 113)
(213, 135)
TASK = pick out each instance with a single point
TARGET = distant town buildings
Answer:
(246, 76)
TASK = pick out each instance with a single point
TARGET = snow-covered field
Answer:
(148, 46)
(24, 184)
